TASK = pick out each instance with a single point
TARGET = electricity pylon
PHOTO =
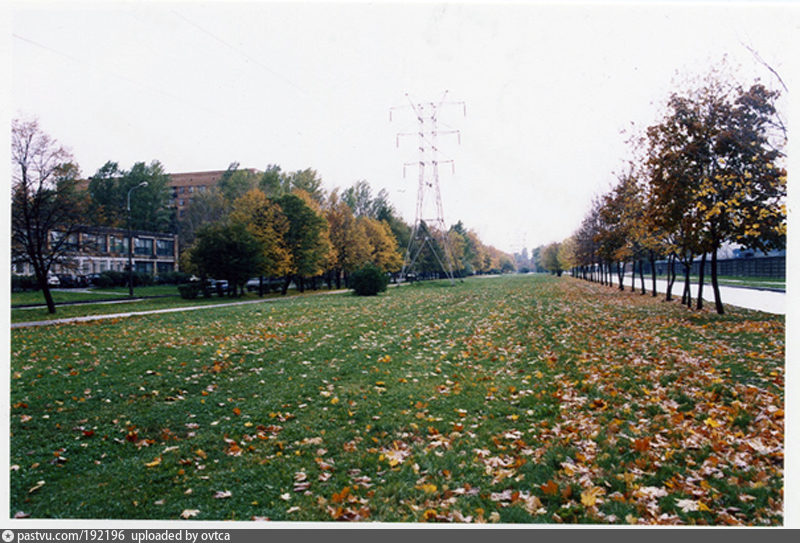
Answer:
(429, 218)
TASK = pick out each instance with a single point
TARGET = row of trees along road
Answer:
(274, 224)
(708, 173)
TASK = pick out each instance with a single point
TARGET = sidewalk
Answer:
(90, 318)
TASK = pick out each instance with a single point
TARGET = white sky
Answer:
(547, 87)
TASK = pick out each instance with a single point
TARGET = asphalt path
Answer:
(90, 318)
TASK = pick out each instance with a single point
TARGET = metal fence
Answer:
(768, 266)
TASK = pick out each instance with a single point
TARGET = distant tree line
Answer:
(282, 226)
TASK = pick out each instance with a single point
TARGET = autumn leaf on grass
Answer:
(590, 495)
(397, 454)
(713, 423)
(641, 444)
(189, 513)
(222, 494)
(156, 461)
(550, 487)
(687, 505)
(233, 448)
(36, 487)
(428, 488)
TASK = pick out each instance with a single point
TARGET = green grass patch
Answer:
(517, 399)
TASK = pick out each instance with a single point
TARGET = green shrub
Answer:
(21, 283)
(189, 291)
(173, 278)
(368, 281)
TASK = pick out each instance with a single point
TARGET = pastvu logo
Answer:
(8, 536)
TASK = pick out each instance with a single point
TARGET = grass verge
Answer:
(521, 399)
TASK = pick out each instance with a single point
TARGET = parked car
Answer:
(72, 281)
(53, 281)
(270, 283)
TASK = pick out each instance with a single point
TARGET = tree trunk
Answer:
(715, 284)
(621, 275)
(48, 296)
(700, 283)
(653, 270)
(286, 282)
(641, 276)
(633, 275)
(670, 276)
(260, 286)
(686, 298)
(300, 283)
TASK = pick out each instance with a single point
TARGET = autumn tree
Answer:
(265, 220)
(306, 238)
(715, 172)
(550, 260)
(383, 250)
(348, 238)
(46, 207)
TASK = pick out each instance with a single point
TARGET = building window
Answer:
(143, 246)
(191, 190)
(165, 267)
(94, 243)
(70, 244)
(145, 267)
(165, 247)
(117, 244)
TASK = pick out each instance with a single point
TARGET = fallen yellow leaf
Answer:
(590, 495)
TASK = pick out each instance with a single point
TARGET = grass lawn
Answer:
(516, 399)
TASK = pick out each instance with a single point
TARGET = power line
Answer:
(237, 50)
(428, 132)
(90, 67)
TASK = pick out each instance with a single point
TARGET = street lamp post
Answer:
(130, 239)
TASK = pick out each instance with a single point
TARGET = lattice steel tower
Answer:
(429, 198)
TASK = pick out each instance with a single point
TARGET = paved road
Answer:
(90, 318)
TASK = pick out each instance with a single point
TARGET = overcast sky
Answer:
(548, 89)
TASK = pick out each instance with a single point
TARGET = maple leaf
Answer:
(550, 487)
(687, 505)
(590, 495)
(642, 444)
(223, 494)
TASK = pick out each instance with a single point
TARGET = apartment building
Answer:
(184, 186)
